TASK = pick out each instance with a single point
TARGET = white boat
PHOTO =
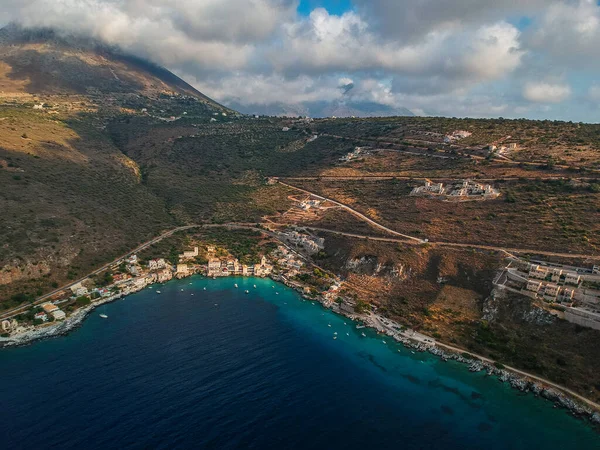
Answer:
(358, 327)
(329, 325)
(347, 334)
(384, 342)
(104, 316)
(247, 291)
(204, 288)
(254, 286)
(158, 292)
(214, 278)
(363, 334)
(235, 285)
(182, 290)
(276, 293)
(335, 337)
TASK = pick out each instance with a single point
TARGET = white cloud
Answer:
(546, 92)
(455, 57)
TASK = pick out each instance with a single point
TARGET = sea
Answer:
(204, 365)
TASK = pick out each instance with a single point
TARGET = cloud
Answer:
(454, 57)
(546, 92)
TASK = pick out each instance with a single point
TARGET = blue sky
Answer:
(336, 7)
(480, 58)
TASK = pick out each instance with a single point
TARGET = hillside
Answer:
(44, 62)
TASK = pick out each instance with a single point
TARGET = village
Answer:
(463, 190)
(570, 293)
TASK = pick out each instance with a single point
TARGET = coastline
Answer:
(523, 383)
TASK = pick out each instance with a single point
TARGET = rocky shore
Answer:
(59, 328)
(516, 381)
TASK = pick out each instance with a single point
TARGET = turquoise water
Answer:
(224, 369)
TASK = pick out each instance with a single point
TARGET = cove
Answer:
(218, 368)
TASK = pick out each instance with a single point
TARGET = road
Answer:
(356, 213)
(458, 153)
(439, 179)
(413, 239)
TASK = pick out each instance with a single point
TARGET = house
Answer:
(133, 259)
(533, 286)
(555, 275)
(189, 254)
(49, 307)
(567, 295)
(512, 146)
(156, 264)
(6, 326)
(572, 278)
(41, 316)
(596, 270)
(537, 272)
(133, 270)
(551, 291)
(182, 270)
(164, 275)
(59, 314)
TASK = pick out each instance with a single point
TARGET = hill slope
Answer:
(44, 62)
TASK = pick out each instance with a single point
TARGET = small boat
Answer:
(182, 290)
(363, 334)
(192, 294)
(335, 337)
(273, 287)
(344, 323)
(276, 293)
(384, 342)
(335, 333)
(204, 288)
(347, 334)
(358, 327)
(214, 278)
(158, 292)
(254, 286)
(235, 285)
(329, 325)
(247, 291)
(104, 316)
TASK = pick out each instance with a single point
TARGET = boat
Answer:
(363, 334)
(276, 293)
(182, 290)
(335, 337)
(384, 342)
(358, 327)
(329, 325)
(204, 288)
(214, 278)
(347, 334)
(247, 291)
(254, 286)
(235, 285)
(104, 316)
(158, 292)
(335, 333)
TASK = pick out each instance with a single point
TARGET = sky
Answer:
(478, 58)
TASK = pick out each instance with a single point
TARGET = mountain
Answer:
(45, 62)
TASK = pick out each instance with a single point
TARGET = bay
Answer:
(218, 368)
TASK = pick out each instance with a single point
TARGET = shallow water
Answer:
(225, 369)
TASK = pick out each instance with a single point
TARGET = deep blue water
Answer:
(221, 369)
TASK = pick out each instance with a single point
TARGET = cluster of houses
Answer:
(462, 190)
(288, 260)
(219, 268)
(456, 136)
(310, 244)
(308, 204)
(552, 284)
(502, 148)
(357, 153)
